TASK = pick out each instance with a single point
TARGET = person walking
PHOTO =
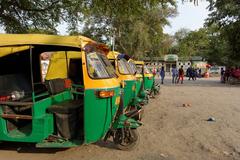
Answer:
(191, 73)
(162, 74)
(180, 74)
(174, 74)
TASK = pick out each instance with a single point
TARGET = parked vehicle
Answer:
(78, 103)
(149, 83)
(128, 79)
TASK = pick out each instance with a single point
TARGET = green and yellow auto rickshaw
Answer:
(126, 76)
(76, 103)
(148, 79)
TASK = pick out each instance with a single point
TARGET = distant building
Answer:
(172, 60)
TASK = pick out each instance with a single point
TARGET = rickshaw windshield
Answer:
(109, 67)
(146, 70)
(96, 67)
(123, 67)
(133, 67)
(139, 69)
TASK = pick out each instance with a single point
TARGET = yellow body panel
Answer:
(148, 75)
(139, 75)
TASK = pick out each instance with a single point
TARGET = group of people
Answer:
(193, 73)
(225, 74)
(177, 74)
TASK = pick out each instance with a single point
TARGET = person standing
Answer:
(200, 73)
(180, 74)
(222, 72)
(174, 74)
(162, 74)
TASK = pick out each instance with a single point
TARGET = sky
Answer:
(189, 16)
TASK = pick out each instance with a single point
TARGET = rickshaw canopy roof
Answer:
(12, 43)
(112, 55)
(38, 39)
(139, 62)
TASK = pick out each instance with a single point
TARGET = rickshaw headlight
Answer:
(105, 94)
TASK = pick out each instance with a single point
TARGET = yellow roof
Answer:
(37, 39)
(112, 55)
(139, 62)
(12, 43)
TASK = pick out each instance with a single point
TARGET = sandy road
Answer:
(170, 131)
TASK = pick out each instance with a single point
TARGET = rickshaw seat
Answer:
(67, 117)
(55, 86)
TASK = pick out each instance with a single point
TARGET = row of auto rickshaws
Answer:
(89, 93)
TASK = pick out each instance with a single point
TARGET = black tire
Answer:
(128, 141)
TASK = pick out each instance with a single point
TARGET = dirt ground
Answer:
(170, 131)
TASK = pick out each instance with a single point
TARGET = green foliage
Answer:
(225, 14)
(24, 16)
(191, 43)
(137, 26)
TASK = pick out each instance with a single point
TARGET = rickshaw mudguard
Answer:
(123, 121)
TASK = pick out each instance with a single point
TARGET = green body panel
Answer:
(139, 85)
(148, 83)
(99, 113)
(42, 122)
(129, 92)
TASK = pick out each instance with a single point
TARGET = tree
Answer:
(191, 43)
(22, 16)
(136, 25)
(225, 14)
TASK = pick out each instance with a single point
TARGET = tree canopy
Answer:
(136, 25)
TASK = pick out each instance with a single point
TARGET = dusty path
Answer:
(170, 131)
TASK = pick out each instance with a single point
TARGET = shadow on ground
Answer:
(28, 148)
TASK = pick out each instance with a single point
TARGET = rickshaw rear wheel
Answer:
(126, 138)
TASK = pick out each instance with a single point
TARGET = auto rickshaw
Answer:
(77, 103)
(149, 83)
(142, 94)
(131, 101)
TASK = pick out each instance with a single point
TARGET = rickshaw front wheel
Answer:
(126, 138)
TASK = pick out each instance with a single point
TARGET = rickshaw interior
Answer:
(21, 87)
